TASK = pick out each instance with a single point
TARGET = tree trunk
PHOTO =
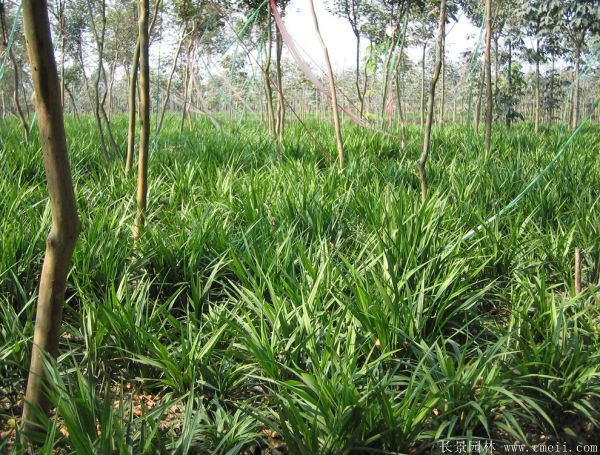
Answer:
(361, 98)
(267, 77)
(575, 116)
(65, 223)
(386, 76)
(169, 82)
(24, 123)
(396, 76)
(366, 79)
(132, 109)
(110, 88)
(443, 94)
(100, 45)
(538, 108)
(145, 104)
(132, 97)
(400, 111)
(186, 86)
(479, 96)
(61, 19)
(496, 64)
(509, 86)
(422, 116)
(280, 125)
(72, 102)
(454, 111)
(334, 105)
(16, 101)
(431, 101)
(488, 74)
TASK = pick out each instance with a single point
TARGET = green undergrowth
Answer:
(278, 304)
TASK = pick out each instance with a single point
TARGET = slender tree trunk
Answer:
(509, 86)
(186, 87)
(366, 79)
(132, 97)
(267, 77)
(431, 101)
(100, 45)
(18, 108)
(280, 102)
(200, 107)
(72, 102)
(16, 101)
(479, 96)
(422, 116)
(496, 64)
(65, 223)
(132, 110)
(538, 108)
(110, 88)
(111, 137)
(145, 104)
(361, 98)
(552, 115)
(443, 91)
(169, 82)
(61, 19)
(575, 115)
(400, 111)
(454, 111)
(396, 71)
(334, 105)
(488, 74)
(386, 76)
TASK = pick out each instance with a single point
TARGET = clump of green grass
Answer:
(281, 303)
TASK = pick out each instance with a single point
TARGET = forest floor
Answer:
(278, 305)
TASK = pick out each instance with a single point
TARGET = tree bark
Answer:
(422, 115)
(132, 97)
(17, 103)
(538, 108)
(110, 88)
(396, 72)
(431, 101)
(488, 74)
(132, 109)
(280, 125)
(443, 91)
(145, 104)
(18, 107)
(509, 85)
(65, 223)
(575, 115)
(361, 98)
(72, 102)
(100, 45)
(366, 80)
(186, 86)
(169, 82)
(267, 76)
(61, 19)
(386, 75)
(400, 111)
(334, 105)
(479, 96)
